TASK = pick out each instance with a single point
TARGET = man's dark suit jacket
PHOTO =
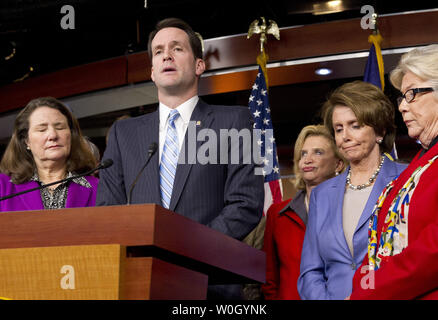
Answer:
(226, 197)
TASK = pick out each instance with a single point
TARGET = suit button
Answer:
(353, 266)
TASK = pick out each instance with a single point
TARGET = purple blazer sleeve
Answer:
(78, 196)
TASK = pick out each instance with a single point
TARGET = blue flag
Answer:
(375, 71)
(372, 73)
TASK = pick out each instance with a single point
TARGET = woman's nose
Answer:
(345, 135)
(308, 158)
(403, 106)
(51, 133)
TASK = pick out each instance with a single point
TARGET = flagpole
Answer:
(259, 108)
(375, 70)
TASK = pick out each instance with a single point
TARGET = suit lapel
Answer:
(203, 118)
(296, 209)
(338, 199)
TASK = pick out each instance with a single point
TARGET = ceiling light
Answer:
(323, 71)
(328, 7)
(334, 4)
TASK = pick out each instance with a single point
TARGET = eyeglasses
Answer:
(409, 95)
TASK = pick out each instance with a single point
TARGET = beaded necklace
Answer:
(370, 180)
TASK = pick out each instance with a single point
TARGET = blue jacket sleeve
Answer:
(312, 282)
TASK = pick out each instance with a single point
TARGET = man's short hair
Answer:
(194, 40)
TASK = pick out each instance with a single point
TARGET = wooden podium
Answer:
(118, 252)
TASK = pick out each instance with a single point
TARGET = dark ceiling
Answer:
(31, 35)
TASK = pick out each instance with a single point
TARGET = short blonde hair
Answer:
(311, 131)
(423, 62)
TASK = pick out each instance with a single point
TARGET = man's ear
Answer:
(200, 66)
(152, 74)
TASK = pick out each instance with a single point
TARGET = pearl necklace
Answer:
(370, 180)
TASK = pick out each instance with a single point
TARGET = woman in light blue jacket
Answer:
(361, 118)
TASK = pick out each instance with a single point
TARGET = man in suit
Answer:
(228, 196)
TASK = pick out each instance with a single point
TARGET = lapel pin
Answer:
(198, 123)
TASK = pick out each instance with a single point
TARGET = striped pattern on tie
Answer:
(169, 160)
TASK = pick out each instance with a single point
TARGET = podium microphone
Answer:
(103, 165)
(151, 151)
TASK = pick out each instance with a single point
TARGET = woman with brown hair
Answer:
(361, 119)
(46, 146)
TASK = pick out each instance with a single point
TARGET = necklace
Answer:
(370, 180)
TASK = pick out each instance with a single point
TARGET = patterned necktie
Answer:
(169, 160)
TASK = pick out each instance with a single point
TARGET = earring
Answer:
(337, 173)
(379, 141)
(27, 147)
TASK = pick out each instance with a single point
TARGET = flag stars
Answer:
(260, 111)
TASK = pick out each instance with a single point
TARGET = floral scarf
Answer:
(394, 237)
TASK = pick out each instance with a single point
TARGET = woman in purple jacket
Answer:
(46, 146)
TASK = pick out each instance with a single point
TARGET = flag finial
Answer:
(263, 29)
(374, 17)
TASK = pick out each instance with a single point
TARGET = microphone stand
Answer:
(151, 151)
(103, 165)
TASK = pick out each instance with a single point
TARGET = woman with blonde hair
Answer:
(315, 160)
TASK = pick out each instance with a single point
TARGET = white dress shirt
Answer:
(181, 123)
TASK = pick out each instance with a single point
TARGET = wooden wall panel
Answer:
(64, 83)
(321, 39)
(139, 67)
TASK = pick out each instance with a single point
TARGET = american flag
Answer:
(259, 107)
